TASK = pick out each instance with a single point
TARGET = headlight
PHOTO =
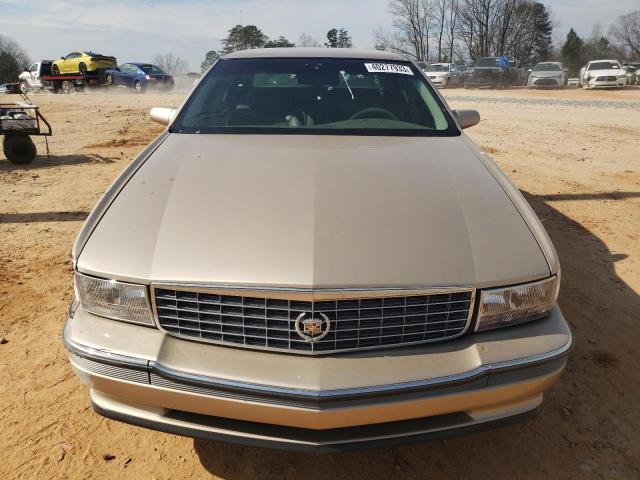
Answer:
(116, 300)
(502, 307)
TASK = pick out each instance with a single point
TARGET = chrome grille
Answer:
(263, 322)
(606, 79)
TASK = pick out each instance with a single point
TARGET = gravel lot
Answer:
(575, 155)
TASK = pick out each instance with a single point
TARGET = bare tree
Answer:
(626, 31)
(452, 26)
(440, 8)
(393, 42)
(15, 51)
(170, 63)
(413, 21)
(307, 40)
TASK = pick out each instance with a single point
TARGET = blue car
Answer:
(139, 76)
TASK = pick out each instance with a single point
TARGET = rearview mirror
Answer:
(163, 115)
(467, 118)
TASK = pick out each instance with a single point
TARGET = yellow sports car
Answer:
(82, 63)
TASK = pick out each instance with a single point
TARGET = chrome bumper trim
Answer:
(313, 395)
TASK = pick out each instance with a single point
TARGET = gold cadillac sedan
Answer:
(314, 256)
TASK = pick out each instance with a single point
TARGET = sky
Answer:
(137, 31)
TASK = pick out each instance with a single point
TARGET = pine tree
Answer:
(211, 58)
(279, 42)
(572, 52)
(543, 29)
(243, 37)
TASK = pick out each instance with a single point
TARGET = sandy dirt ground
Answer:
(578, 165)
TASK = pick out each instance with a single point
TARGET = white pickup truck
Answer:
(30, 78)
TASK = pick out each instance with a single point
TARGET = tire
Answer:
(19, 149)
(24, 87)
(138, 86)
(82, 68)
(55, 70)
(67, 87)
(108, 80)
(448, 84)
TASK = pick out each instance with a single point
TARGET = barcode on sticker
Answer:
(388, 68)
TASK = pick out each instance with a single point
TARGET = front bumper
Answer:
(483, 82)
(618, 83)
(141, 376)
(549, 82)
(438, 81)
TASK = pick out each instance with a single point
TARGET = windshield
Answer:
(547, 67)
(486, 62)
(314, 96)
(438, 68)
(151, 69)
(604, 66)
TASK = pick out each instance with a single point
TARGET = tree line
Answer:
(463, 30)
(432, 31)
(242, 37)
(622, 42)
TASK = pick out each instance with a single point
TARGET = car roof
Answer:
(604, 60)
(298, 52)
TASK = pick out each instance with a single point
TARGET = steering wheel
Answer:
(366, 111)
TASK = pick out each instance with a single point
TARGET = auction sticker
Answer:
(388, 68)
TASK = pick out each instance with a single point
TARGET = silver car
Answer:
(314, 256)
(445, 75)
(548, 74)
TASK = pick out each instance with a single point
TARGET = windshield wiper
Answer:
(344, 77)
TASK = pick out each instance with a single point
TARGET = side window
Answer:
(124, 68)
(33, 68)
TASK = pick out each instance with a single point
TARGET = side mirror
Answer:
(163, 115)
(467, 118)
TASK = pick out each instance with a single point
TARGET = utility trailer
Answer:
(18, 123)
(40, 77)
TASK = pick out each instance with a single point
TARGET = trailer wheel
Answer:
(19, 149)
(108, 80)
(67, 87)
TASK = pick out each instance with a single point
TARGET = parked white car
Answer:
(444, 75)
(548, 74)
(603, 73)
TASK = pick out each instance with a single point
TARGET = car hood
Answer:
(546, 74)
(315, 212)
(612, 72)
